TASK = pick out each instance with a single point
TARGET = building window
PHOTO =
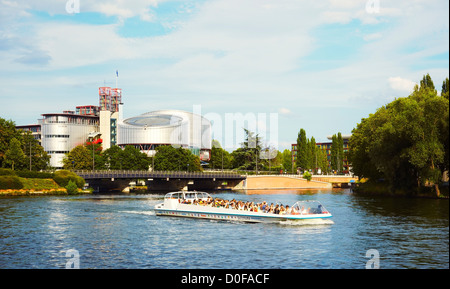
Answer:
(57, 136)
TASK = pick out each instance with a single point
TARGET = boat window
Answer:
(202, 195)
(308, 207)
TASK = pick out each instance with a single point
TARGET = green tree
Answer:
(113, 158)
(322, 161)
(220, 158)
(286, 157)
(96, 149)
(340, 151)
(132, 158)
(247, 156)
(79, 158)
(404, 142)
(37, 158)
(445, 89)
(313, 164)
(7, 132)
(71, 188)
(334, 153)
(14, 156)
(337, 153)
(168, 158)
(302, 150)
(427, 83)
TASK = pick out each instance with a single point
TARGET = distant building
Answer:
(326, 146)
(167, 127)
(35, 130)
(59, 133)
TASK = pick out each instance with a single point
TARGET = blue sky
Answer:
(317, 65)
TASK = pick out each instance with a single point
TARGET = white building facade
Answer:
(61, 132)
(167, 127)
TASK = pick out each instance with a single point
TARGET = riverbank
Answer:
(26, 183)
(40, 187)
(22, 192)
(382, 189)
(279, 182)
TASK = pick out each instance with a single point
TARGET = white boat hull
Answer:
(204, 212)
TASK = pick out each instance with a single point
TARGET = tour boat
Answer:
(195, 205)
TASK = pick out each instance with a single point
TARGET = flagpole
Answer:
(117, 77)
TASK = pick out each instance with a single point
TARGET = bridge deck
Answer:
(156, 174)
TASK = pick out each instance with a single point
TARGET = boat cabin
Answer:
(171, 200)
(308, 207)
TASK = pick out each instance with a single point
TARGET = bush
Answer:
(307, 176)
(71, 188)
(63, 177)
(7, 172)
(10, 183)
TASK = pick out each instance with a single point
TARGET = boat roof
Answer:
(187, 195)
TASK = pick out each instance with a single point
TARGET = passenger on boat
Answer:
(255, 207)
(277, 209)
(288, 210)
(304, 211)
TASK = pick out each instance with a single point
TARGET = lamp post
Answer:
(93, 158)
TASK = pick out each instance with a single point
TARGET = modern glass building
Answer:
(167, 127)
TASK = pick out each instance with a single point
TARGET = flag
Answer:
(117, 73)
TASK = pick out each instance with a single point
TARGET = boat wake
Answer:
(148, 213)
(307, 222)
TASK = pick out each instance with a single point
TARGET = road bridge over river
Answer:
(106, 180)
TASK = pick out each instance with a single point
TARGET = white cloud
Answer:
(401, 84)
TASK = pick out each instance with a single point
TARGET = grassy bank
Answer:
(35, 183)
(39, 187)
(23, 192)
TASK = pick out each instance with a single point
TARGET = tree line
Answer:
(311, 157)
(168, 158)
(253, 156)
(405, 144)
(19, 150)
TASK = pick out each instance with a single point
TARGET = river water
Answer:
(122, 231)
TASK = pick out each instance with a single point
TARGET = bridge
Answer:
(106, 180)
(337, 181)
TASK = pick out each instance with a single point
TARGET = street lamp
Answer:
(93, 157)
(91, 136)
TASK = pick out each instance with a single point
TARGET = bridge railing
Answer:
(155, 174)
